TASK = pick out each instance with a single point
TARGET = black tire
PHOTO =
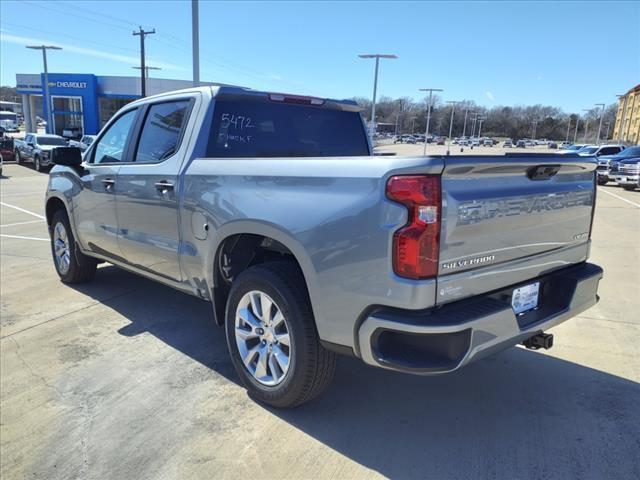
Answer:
(629, 187)
(81, 268)
(602, 181)
(36, 164)
(18, 158)
(311, 367)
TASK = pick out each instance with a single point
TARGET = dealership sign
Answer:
(68, 84)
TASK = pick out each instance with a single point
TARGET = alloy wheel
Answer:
(61, 247)
(262, 338)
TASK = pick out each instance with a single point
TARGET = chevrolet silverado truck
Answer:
(37, 148)
(273, 208)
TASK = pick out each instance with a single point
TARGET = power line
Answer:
(68, 13)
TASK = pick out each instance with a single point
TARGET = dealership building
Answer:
(81, 104)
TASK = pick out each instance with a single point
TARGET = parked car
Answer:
(217, 195)
(487, 142)
(9, 121)
(564, 145)
(573, 148)
(600, 150)
(7, 148)
(508, 143)
(628, 174)
(475, 142)
(521, 144)
(552, 145)
(440, 141)
(84, 143)
(608, 164)
(37, 148)
(529, 143)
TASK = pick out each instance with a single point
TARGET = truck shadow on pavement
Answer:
(519, 414)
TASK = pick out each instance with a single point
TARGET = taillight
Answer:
(295, 99)
(416, 245)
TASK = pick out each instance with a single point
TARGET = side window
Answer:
(28, 139)
(111, 146)
(161, 131)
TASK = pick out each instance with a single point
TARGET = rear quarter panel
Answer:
(330, 212)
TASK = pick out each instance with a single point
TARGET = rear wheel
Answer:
(71, 264)
(36, 163)
(18, 158)
(602, 181)
(629, 187)
(272, 339)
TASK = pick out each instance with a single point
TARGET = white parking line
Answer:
(21, 223)
(22, 210)
(637, 205)
(24, 238)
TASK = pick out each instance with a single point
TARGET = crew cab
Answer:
(273, 208)
(608, 164)
(628, 174)
(37, 148)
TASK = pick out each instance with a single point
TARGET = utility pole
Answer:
(608, 124)
(142, 34)
(575, 134)
(568, 127)
(377, 56)
(47, 98)
(398, 118)
(453, 104)
(195, 42)
(146, 70)
(426, 132)
(600, 124)
(535, 124)
(473, 124)
(586, 123)
(413, 124)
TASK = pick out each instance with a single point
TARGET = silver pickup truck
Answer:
(273, 208)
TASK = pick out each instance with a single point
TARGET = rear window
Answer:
(265, 129)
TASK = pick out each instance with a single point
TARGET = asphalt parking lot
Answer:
(125, 378)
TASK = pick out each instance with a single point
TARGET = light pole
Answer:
(195, 42)
(426, 131)
(568, 127)
(480, 120)
(47, 97)
(464, 128)
(377, 56)
(608, 124)
(600, 124)
(453, 104)
(146, 70)
(413, 124)
(534, 125)
(398, 118)
(624, 114)
(586, 123)
(575, 134)
(473, 124)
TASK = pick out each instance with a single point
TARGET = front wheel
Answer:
(629, 187)
(272, 338)
(71, 264)
(602, 181)
(18, 158)
(36, 163)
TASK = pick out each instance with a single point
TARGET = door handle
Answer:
(108, 184)
(164, 186)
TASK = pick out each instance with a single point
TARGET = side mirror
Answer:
(69, 156)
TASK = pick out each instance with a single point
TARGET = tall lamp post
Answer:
(464, 128)
(453, 104)
(377, 56)
(47, 97)
(566, 140)
(426, 131)
(586, 123)
(575, 133)
(480, 120)
(600, 124)
(608, 124)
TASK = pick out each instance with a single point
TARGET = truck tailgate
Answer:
(511, 218)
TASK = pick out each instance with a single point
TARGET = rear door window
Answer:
(162, 131)
(250, 128)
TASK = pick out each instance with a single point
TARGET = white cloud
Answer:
(130, 60)
(273, 76)
(489, 95)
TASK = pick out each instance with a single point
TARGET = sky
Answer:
(567, 54)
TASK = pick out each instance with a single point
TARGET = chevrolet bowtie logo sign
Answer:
(68, 84)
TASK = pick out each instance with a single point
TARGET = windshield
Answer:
(247, 128)
(629, 152)
(8, 116)
(589, 150)
(51, 141)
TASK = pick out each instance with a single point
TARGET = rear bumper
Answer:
(446, 339)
